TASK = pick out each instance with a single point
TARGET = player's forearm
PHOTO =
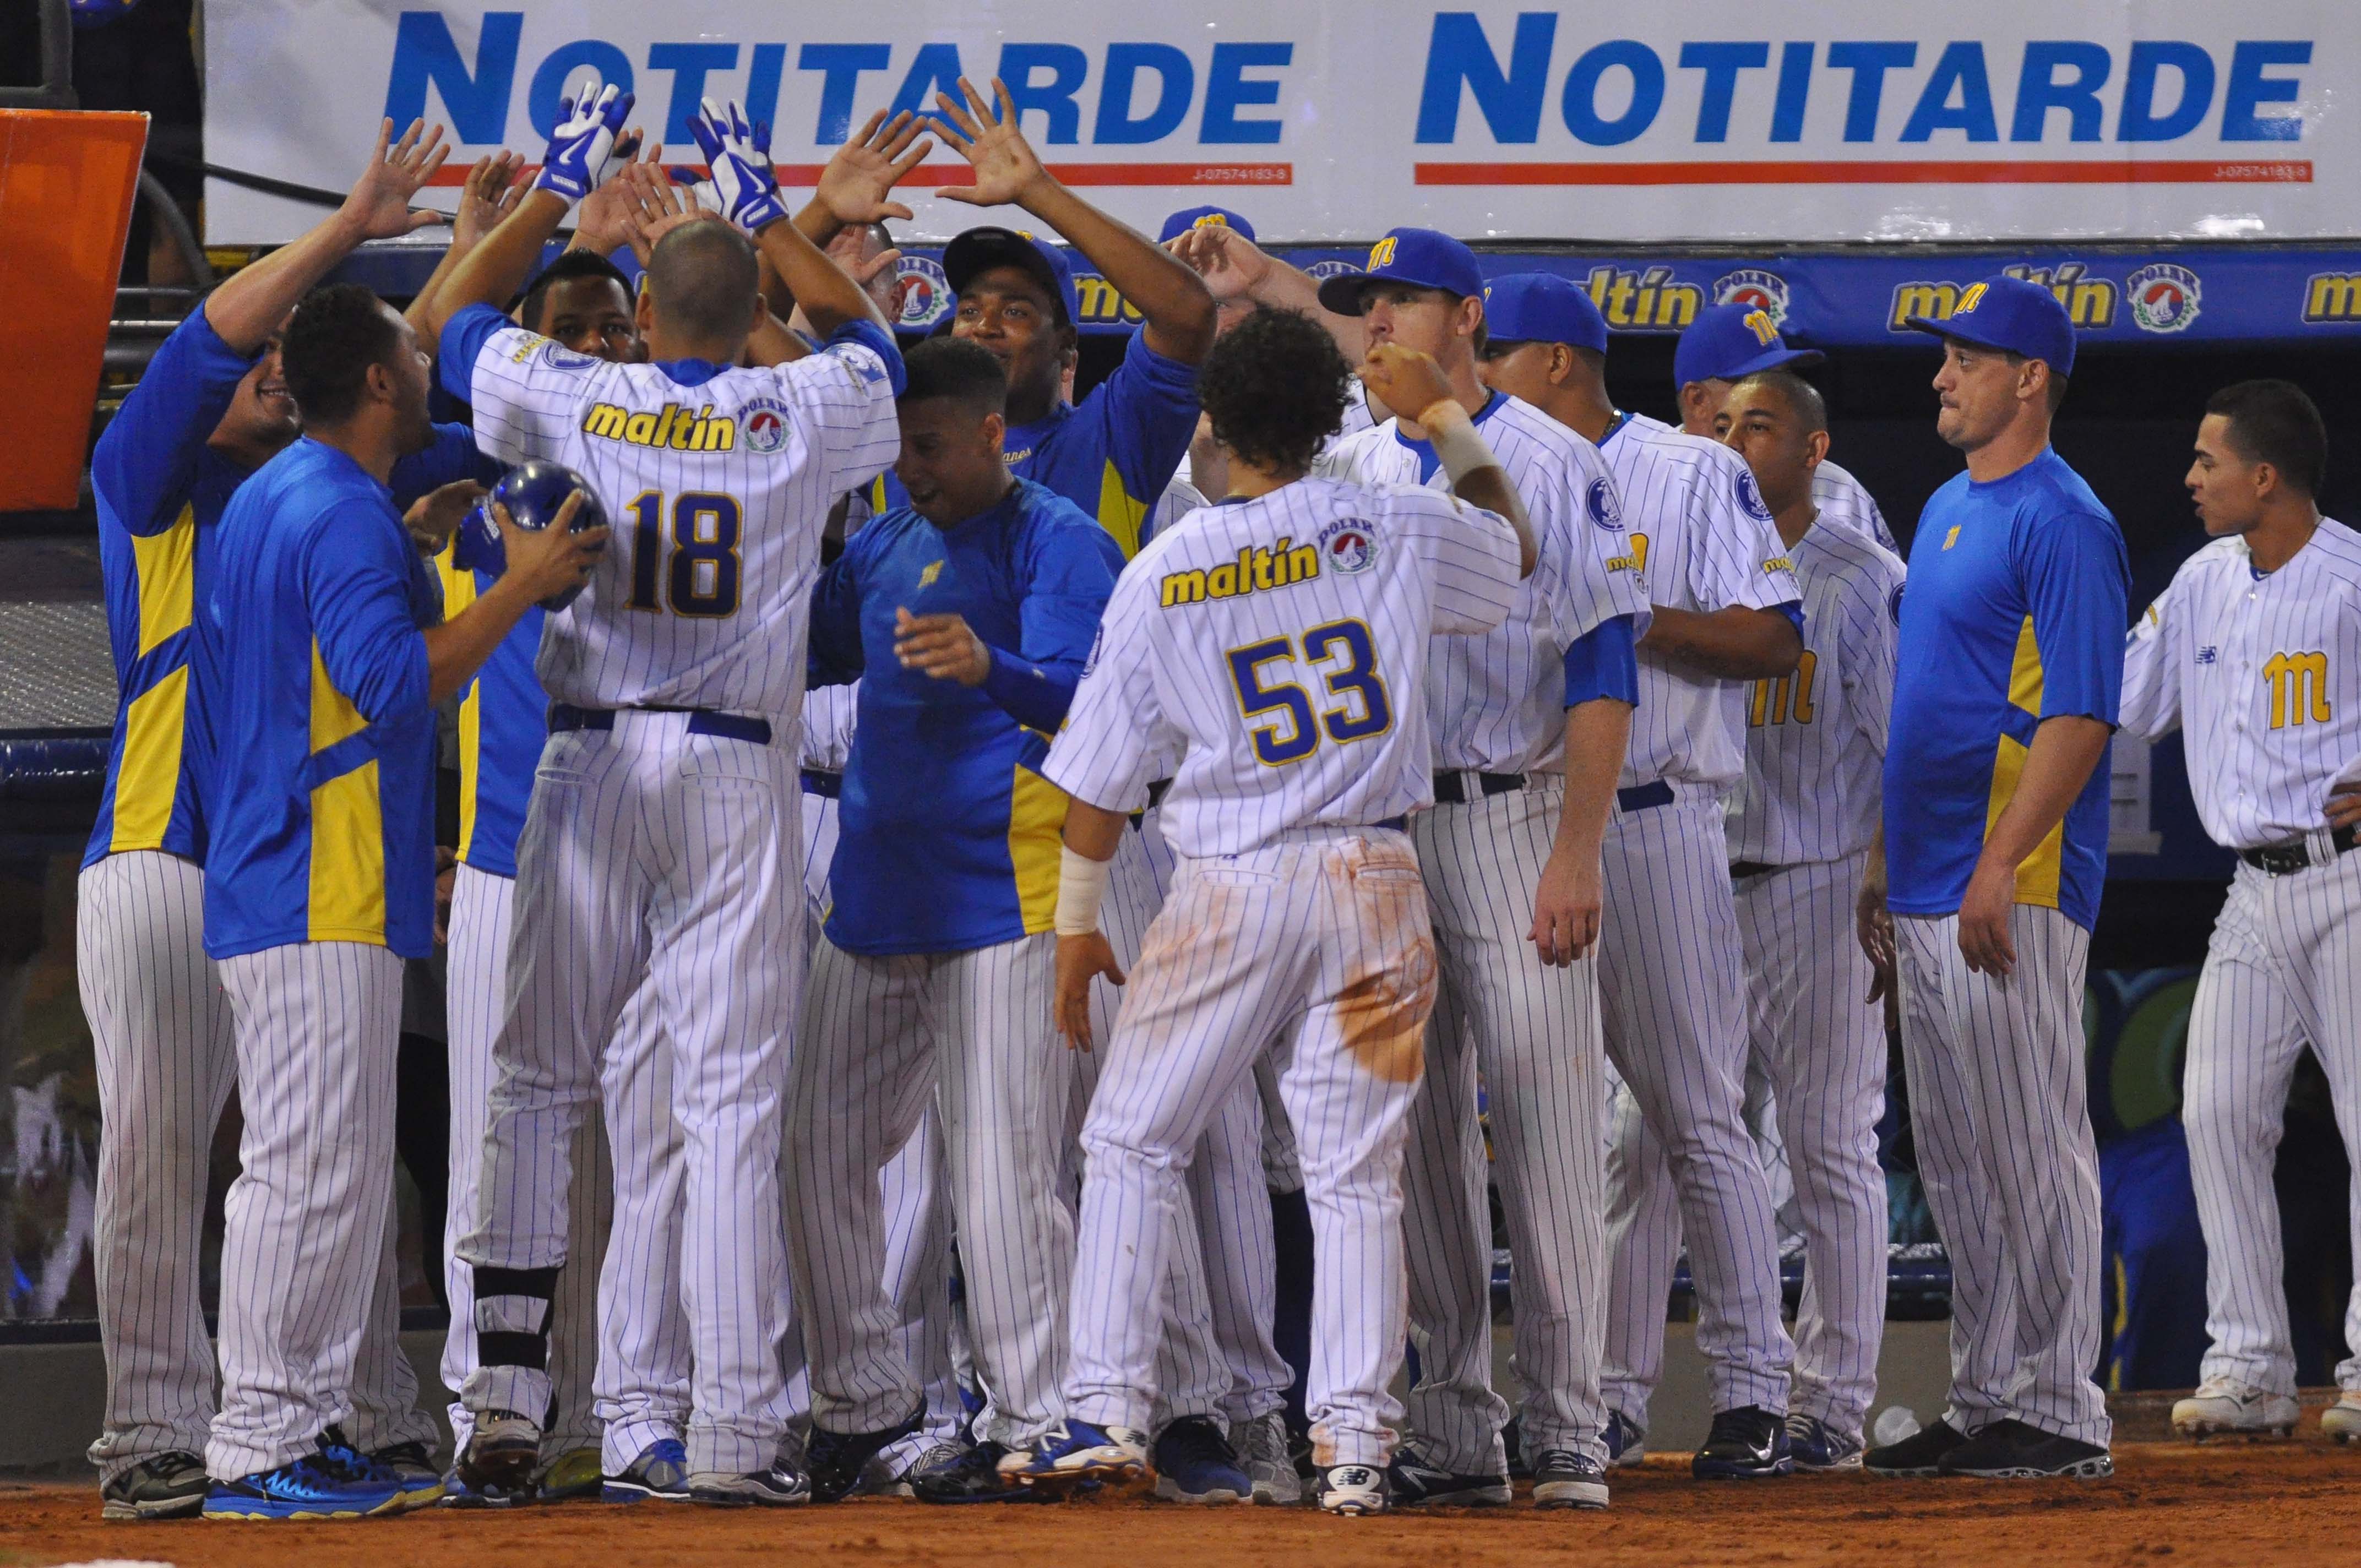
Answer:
(823, 291)
(1597, 734)
(1093, 832)
(1735, 642)
(1290, 288)
(774, 343)
(500, 266)
(818, 223)
(458, 649)
(1171, 298)
(246, 312)
(2065, 750)
(422, 304)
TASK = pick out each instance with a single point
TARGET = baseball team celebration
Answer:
(1578, 779)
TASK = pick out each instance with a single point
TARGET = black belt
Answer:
(1450, 789)
(1740, 869)
(701, 721)
(1396, 824)
(817, 782)
(2286, 859)
(1644, 798)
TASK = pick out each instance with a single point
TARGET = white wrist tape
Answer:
(1458, 446)
(1082, 885)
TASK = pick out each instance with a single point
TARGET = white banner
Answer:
(1709, 120)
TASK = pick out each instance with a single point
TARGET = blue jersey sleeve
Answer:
(1070, 575)
(2076, 583)
(464, 337)
(1603, 662)
(1146, 411)
(451, 455)
(357, 575)
(837, 658)
(144, 464)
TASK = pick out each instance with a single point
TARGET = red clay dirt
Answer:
(2255, 1506)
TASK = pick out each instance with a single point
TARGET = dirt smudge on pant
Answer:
(1381, 1017)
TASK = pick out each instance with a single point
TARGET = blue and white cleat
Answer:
(659, 1474)
(317, 1486)
(1080, 1451)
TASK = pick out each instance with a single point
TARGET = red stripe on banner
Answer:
(803, 176)
(2052, 171)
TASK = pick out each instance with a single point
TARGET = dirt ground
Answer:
(2251, 1505)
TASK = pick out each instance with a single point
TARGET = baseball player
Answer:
(1282, 638)
(662, 848)
(1725, 345)
(316, 666)
(1800, 826)
(211, 409)
(2254, 651)
(1726, 610)
(2005, 687)
(1529, 723)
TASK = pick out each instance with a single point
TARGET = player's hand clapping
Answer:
(739, 156)
(943, 646)
(378, 207)
(545, 563)
(862, 173)
(1006, 167)
(589, 143)
(490, 193)
(609, 218)
(1081, 960)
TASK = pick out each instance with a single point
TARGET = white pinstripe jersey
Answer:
(1844, 500)
(1498, 702)
(1815, 738)
(718, 491)
(1183, 497)
(1282, 643)
(1703, 542)
(828, 716)
(2264, 674)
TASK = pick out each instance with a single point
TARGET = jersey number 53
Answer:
(1341, 655)
(703, 581)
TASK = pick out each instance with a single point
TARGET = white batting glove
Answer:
(740, 156)
(584, 151)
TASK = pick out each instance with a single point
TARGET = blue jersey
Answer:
(161, 491)
(1111, 453)
(948, 834)
(2014, 613)
(503, 721)
(314, 742)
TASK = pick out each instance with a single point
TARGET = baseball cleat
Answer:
(1194, 1463)
(1626, 1440)
(412, 1464)
(322, 1486)
(972, 1476)
(659, 1474)
(458, 1494)
(1562, 1479)
(1079, 1450)
(2222, 1408)
(1353, 1490)
(1414, 1482)
(1819, 1447)
(1915, 1457)
(835, 1460)
(502, 1453)
(1262, 1449)
(2342, 1420)
(2012, 1451)
(163, 1487)
(1745, 1443)
(772, 1488)
(573, 1476)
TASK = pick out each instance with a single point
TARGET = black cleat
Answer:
(2012, 1451)
(1562, 1479)
(1416, 1484)
(1745, 1442)
(1915, 1457)
(835, 1460)
(165, 1486)
(974, 1475)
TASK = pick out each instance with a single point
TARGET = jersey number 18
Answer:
(703, 580)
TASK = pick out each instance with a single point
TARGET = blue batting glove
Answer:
(584, 150)
(740, 156)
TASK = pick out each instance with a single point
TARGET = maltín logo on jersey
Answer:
(1764, 290)
(2164, 297)
(1257, 569)
(926, 293)
(1749, 500)
(675, 427)
(1599, 499)
(1349, 546)
(766, 425)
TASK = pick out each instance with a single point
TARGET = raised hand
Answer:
(739, 156)
(1404, 380)
(656, 207)
(378, 207)
(606, 220)
(490, 193)
(1006, 168)
(864, 171)
(589, 142)
(1229, 263)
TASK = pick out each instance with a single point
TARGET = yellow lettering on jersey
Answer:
(1637, 561)
(673, 428)
(1257, 569)
(1778, 564)
(933, 570)
(347, 884)
(2299, 684)
(1778, 699)
(149, 780)
(1952, 538)
(1036, 816)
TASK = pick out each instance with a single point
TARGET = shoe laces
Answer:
(1262, 1441)
(1195, 1441)
(1746, 1426)
(1562, 1458)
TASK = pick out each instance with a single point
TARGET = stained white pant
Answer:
(2000, 1111)
(1670, 998)
(1342, 956)
(660, 863)
(309, 1288)
(1532, 1035)
(481, 907)
(2283, 969)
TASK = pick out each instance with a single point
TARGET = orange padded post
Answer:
(67, 182)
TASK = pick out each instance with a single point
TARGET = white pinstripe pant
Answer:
(1669, 992)
(481, 908)
(2000, 1109)
(1324, 933)
(2283, 969)
(882, 1038)
(664, 865)
(1532, 1034)
(307, 1249)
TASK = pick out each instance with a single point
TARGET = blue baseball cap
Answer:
(1189, 218)
(1727, 342)
(979, 250)
(1423, 258)
(1542, 307)
(2010, 313)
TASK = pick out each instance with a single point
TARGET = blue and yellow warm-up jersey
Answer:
(314, 743)
(1112, 454)
(2015, 613)
(503, 722)
(948, 835)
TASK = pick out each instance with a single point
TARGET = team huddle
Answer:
(947, 875)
